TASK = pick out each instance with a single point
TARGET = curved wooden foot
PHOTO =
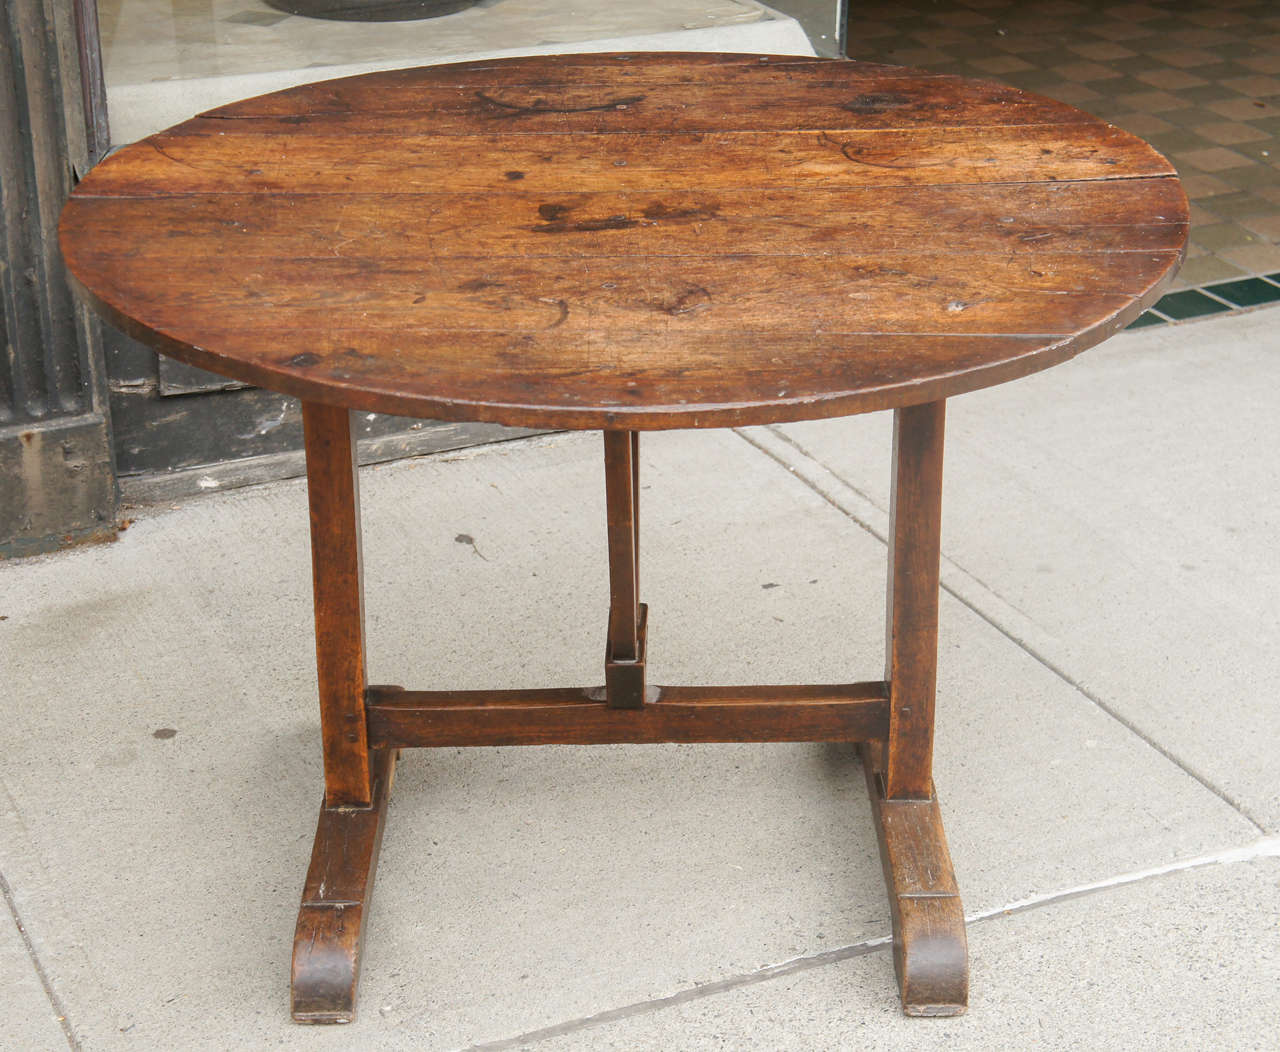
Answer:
(931, 956)
(335, 898)
(930, 951)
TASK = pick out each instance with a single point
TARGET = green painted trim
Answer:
(1217, 298)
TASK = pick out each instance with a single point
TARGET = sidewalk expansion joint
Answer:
(692, 993)
(1267, 847)
(55, 1002)
(805, 473)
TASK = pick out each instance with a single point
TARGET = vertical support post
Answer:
(334, 495)
(619, 488)
(624, 655)
(911, 649)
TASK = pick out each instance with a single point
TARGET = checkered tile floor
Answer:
(1198, 79)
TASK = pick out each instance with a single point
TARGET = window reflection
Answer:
(166, 60)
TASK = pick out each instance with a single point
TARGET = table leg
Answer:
(930, 948)
(327, 941)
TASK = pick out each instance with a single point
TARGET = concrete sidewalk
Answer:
(1106, 753)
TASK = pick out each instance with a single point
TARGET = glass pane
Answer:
(166, 60)
(820, 19)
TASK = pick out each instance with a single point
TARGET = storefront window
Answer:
(166, 60)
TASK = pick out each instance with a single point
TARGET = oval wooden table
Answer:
(629, 243)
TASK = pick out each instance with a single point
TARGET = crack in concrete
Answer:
(972, 604)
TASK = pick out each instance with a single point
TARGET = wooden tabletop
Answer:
(638, 241)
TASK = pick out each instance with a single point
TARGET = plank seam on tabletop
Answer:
(55, 1002)
(1266, 847)
(960, 584)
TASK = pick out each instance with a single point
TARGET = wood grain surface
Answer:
(629, 241)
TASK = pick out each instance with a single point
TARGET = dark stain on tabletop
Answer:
(690, 301)
(876, 102)
(657, 212)
(540, 106)
(558, 221)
